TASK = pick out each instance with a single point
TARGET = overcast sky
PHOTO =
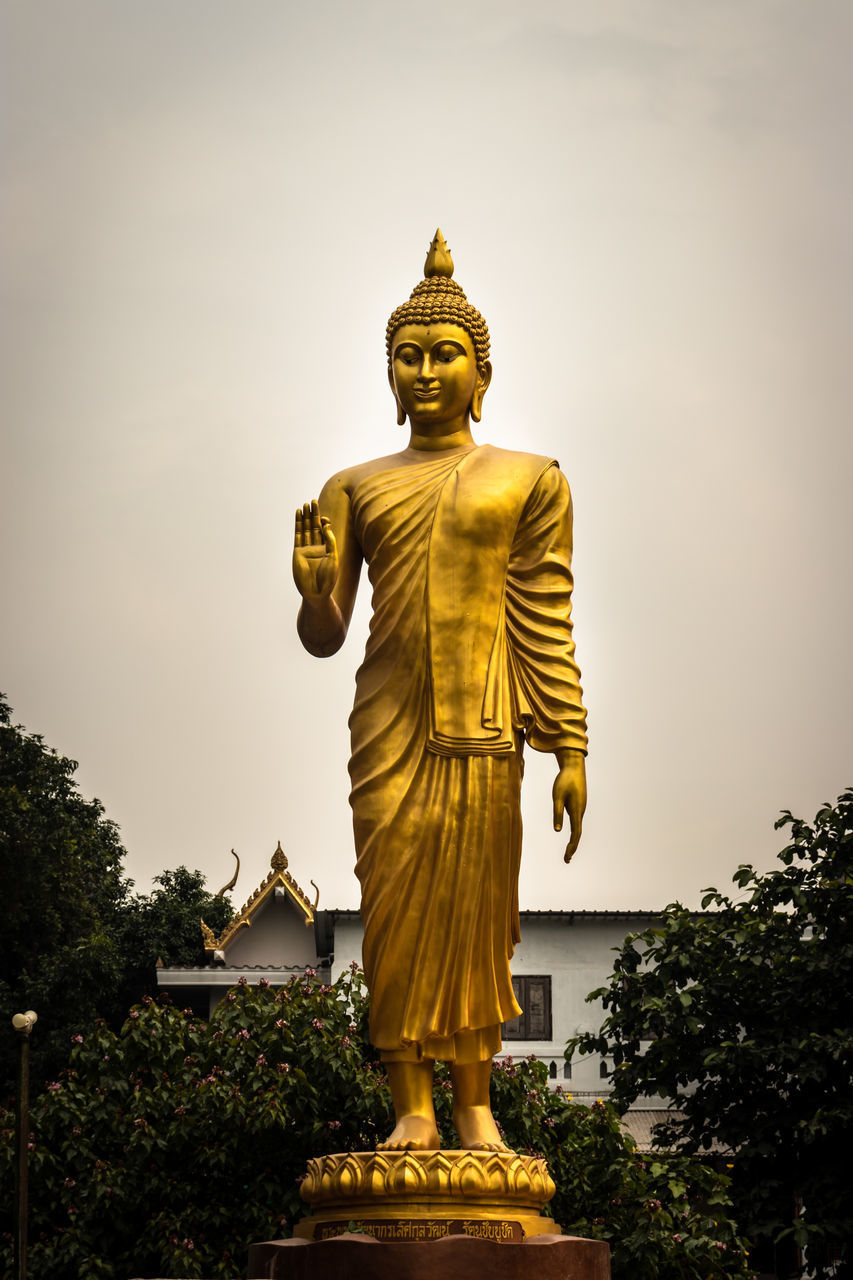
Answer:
(210, 209)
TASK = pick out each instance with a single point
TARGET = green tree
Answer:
(743, 1019)
(60, 867)
(167, 1147)
(165, 925)
(78, 945)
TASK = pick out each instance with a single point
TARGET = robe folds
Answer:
(469, 654)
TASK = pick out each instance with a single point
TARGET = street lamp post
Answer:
(23, 1024)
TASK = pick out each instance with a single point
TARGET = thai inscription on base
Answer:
(400, 1229)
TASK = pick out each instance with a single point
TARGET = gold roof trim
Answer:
(278, 875)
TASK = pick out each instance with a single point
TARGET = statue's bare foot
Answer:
(477, 1129)
(412, 1133)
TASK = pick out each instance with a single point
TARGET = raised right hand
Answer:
(315, 554)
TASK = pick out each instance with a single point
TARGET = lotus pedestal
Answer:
(380, 1215)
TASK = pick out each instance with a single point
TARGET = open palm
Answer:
(315, 554)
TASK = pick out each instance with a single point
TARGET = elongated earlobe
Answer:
(480, 390)
(401, 412)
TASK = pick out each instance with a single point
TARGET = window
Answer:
(567, 1071)
(533, 993)
(602, 1069)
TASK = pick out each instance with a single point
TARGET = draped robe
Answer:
(470, 652)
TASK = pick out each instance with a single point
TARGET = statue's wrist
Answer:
(567, 757)
(319, 605)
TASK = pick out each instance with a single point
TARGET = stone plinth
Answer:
(360, 1257)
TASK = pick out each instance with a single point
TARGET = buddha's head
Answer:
(439, 303)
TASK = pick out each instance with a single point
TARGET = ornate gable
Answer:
(278, 876)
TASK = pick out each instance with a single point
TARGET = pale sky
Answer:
(210, 209)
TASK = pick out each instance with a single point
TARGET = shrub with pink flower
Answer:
(166, 1154)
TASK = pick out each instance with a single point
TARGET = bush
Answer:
(166, 1148)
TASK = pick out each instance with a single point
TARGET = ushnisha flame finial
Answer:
(438, 259)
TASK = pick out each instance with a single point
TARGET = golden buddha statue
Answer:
(469, 656)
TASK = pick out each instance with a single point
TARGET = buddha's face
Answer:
(434, 374)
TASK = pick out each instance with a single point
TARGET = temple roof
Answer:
(278, 876)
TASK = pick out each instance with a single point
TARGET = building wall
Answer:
(348, 937)
(576, 951)
(277, 935)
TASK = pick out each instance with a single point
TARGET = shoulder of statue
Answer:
(349, 478)
(518, 455)
(530, 465)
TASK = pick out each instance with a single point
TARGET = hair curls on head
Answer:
(438, 299)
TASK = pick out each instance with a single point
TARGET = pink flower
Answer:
(353, 964)
(69, 1182)
(317, 1024)
(54, 1087)
(311, 973)
(334, 1124)
(260, 1061)
(243, 1034)
(345, 1041)
(283, 1068)
(76, 1039)
(281, 1023)
(134, 1014)
(263, 982)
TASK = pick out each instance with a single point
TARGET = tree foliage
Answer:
(77, 943)
(743, 1019)
(165, 925)
(60, 865)
(166, 1148)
